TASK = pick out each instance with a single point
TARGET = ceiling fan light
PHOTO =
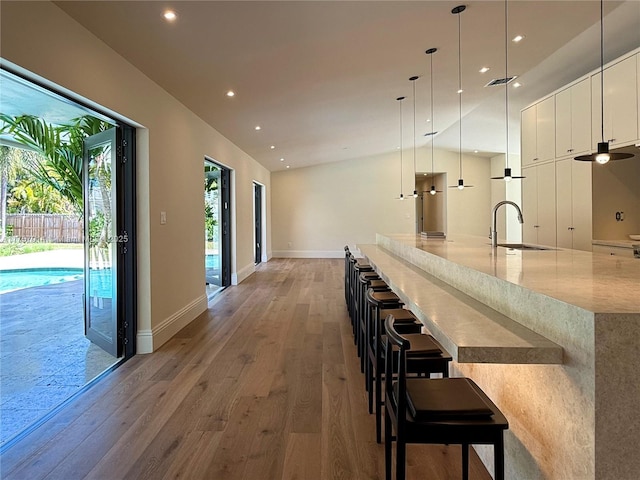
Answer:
(460, 184)
(415, 194)
(433, 190)
(507, 174)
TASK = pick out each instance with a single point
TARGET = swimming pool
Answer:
(11, 280)
(212, 261)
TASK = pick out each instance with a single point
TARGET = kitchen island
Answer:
(552, 337)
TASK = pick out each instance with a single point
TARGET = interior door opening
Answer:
(217, 208)
(258, 235)
(431, 215)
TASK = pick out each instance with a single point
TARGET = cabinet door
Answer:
(564, 222)
(546, 179)
(546, 130)
(530, 205)
(580, 117)
(581, 202)
(528, 135)
(638, 89)
(620, 104)
(564, 141)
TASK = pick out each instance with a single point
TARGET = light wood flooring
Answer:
(264, 385)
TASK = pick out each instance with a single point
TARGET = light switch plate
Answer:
(163, 218)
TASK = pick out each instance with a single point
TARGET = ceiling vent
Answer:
(500, 81)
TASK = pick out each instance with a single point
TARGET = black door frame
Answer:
(126, 205)
(257, 206)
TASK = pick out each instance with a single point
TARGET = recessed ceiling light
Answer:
(258, 127)
(475, 151)
(169, 15)
(272, 147)
(231, 93)
(282, 159)
(517, 85)
(484, 69)
(518, 38)
(460, 91)
(288, 166)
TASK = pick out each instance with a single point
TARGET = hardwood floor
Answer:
(264, 385)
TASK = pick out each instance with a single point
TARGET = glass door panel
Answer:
(212, 209)
(101, 241)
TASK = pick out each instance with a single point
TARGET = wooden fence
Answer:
(44, 227)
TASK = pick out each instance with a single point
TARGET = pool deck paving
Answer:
(44, 355)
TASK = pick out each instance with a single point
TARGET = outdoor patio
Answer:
(44, 355)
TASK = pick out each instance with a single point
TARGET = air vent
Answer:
(430, 134)
(500, 81)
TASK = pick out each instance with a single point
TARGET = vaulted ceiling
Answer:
(321, 77)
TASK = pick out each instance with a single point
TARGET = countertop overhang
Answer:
(471, 331)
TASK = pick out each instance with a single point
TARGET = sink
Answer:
(523, 246)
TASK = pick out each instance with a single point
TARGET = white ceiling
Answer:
(321, 77)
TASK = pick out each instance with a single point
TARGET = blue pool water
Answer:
(34, 277)
(212, 261)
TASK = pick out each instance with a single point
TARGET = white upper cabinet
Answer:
(620, 104)
(538, 132)
(573, 120)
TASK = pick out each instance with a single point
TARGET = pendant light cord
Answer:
(413, 81)
(506, 78)
(460, 95)
(400, 100)
(433, 125)
(602, 69)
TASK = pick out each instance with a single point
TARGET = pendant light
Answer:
(413, 81)
(433, 132)
(457, 11)
(602, 155)
(400, 99)
(508, 176)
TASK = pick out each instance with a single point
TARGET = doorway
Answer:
(431, 215)
(68, 292)
(217, 212)
(258, 208)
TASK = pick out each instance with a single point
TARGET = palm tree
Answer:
(10, 159)
(60, 145)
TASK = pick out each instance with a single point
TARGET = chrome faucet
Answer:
(494, 234)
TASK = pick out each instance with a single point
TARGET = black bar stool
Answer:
(425, 357)
(365, 280)
(375, 301)
(438, 410)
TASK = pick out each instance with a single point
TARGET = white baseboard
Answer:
(308, 253)
(243, 274)
(147, 341)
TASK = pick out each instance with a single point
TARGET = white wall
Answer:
(171, 147)
(616, 188)
(320, 209)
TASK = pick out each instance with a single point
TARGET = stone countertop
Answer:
(468, 329)
(595, 283)
(616, 243)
